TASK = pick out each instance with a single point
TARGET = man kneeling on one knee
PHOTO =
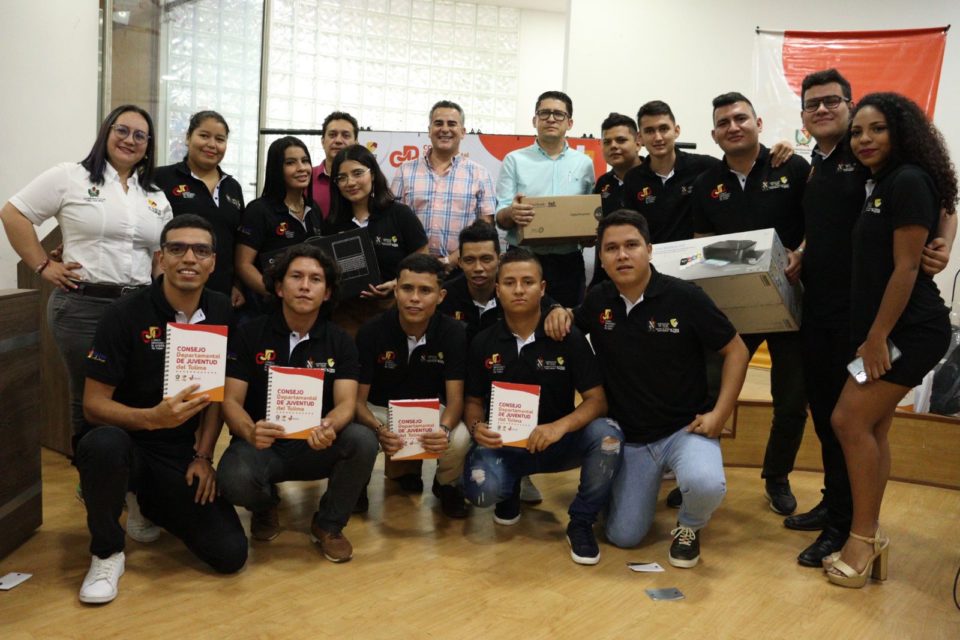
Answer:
(298, 334)
(517, 350)
(159, 448)
(413, 352)
(650, 331)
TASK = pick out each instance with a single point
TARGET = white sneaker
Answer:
(138, 527)
(100, 584)
(529, 492)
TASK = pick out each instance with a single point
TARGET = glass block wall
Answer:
(388, 61)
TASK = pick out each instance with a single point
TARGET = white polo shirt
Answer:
(111, 233)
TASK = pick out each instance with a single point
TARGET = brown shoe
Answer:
(335, 546)
(265, 525)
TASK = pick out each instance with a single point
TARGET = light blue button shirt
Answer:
(532, 172)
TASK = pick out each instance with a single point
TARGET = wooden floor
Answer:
(417, 575)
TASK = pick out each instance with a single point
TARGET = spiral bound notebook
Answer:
(295, 399)
(513, 411)
(195, 354)
(411, 419)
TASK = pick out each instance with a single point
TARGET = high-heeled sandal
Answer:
(827, 561)
(842, 574)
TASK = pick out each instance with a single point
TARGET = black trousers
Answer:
(565, 277)
(111, 463)
(826, 352)
(789, 399)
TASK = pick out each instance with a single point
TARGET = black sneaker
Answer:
(583, 544)
(675, 498)
(451, 501)
(508, 511)
(781, 498)
(685, 549)
(411, 483)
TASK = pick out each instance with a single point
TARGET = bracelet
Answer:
(473, 427)
(380, 428)
(200, 456)
(43, 265)
(446, 430)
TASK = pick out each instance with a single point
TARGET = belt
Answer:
(95, 290)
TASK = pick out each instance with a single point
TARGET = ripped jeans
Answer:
(491, 476)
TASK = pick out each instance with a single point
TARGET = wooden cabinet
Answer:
(21, 509)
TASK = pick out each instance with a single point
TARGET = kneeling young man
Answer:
(297, 334)
(159, 448)
(516, 349)
(412, 352)
(650, 331)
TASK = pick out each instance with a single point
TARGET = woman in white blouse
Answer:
(110, 215)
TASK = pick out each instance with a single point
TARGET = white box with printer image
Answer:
(743, 273)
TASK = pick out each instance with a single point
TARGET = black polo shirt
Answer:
(560, 368)
(832, 202)
(667, 206)
(268, 226)
(903, 195)
(395, 374)
(459, 305)
(772, 197)
(395, 232)
(265, 342)
(610, 188)
(653, 360)
(190, 195)
(128, 352)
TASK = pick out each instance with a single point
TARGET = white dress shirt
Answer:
(112, 233)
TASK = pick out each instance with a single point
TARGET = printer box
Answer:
(561, 219)
(743, 273)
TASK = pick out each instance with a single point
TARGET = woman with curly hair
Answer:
(895, 307)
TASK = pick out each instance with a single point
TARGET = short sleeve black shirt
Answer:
(832, 202)
(268, 226)
(560, 368)
(610, 188)
(128, 352)
(395, 374)
(772, 197)
(653, 360)
(395, 232)
(190, 195)
(903, 195)
(667, 206)
(459, 305)
(265, 342)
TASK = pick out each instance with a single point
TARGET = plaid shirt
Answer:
(445, 203)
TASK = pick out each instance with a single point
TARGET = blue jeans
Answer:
(699, 467)
(491, 476)
(247, 476)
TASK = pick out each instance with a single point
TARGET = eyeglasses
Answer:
(123, 132)
(201, 251)
(830, 102)
(546, 114)
(356, 174)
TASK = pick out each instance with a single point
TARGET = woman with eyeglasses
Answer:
(360, 197)
(899, 323)
(110, 214)
(198, 185)
(283, 215)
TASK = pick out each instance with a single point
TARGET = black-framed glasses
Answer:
(202, 251)
(123, 132)
(356, 174)
(830, 102)
(546, 114)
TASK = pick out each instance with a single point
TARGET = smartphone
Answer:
(856, 366)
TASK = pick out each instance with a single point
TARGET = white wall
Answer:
(541, 56)
(48, 113)
(622, 54)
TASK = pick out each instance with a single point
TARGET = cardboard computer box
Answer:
(561, 219)
(743, 273)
